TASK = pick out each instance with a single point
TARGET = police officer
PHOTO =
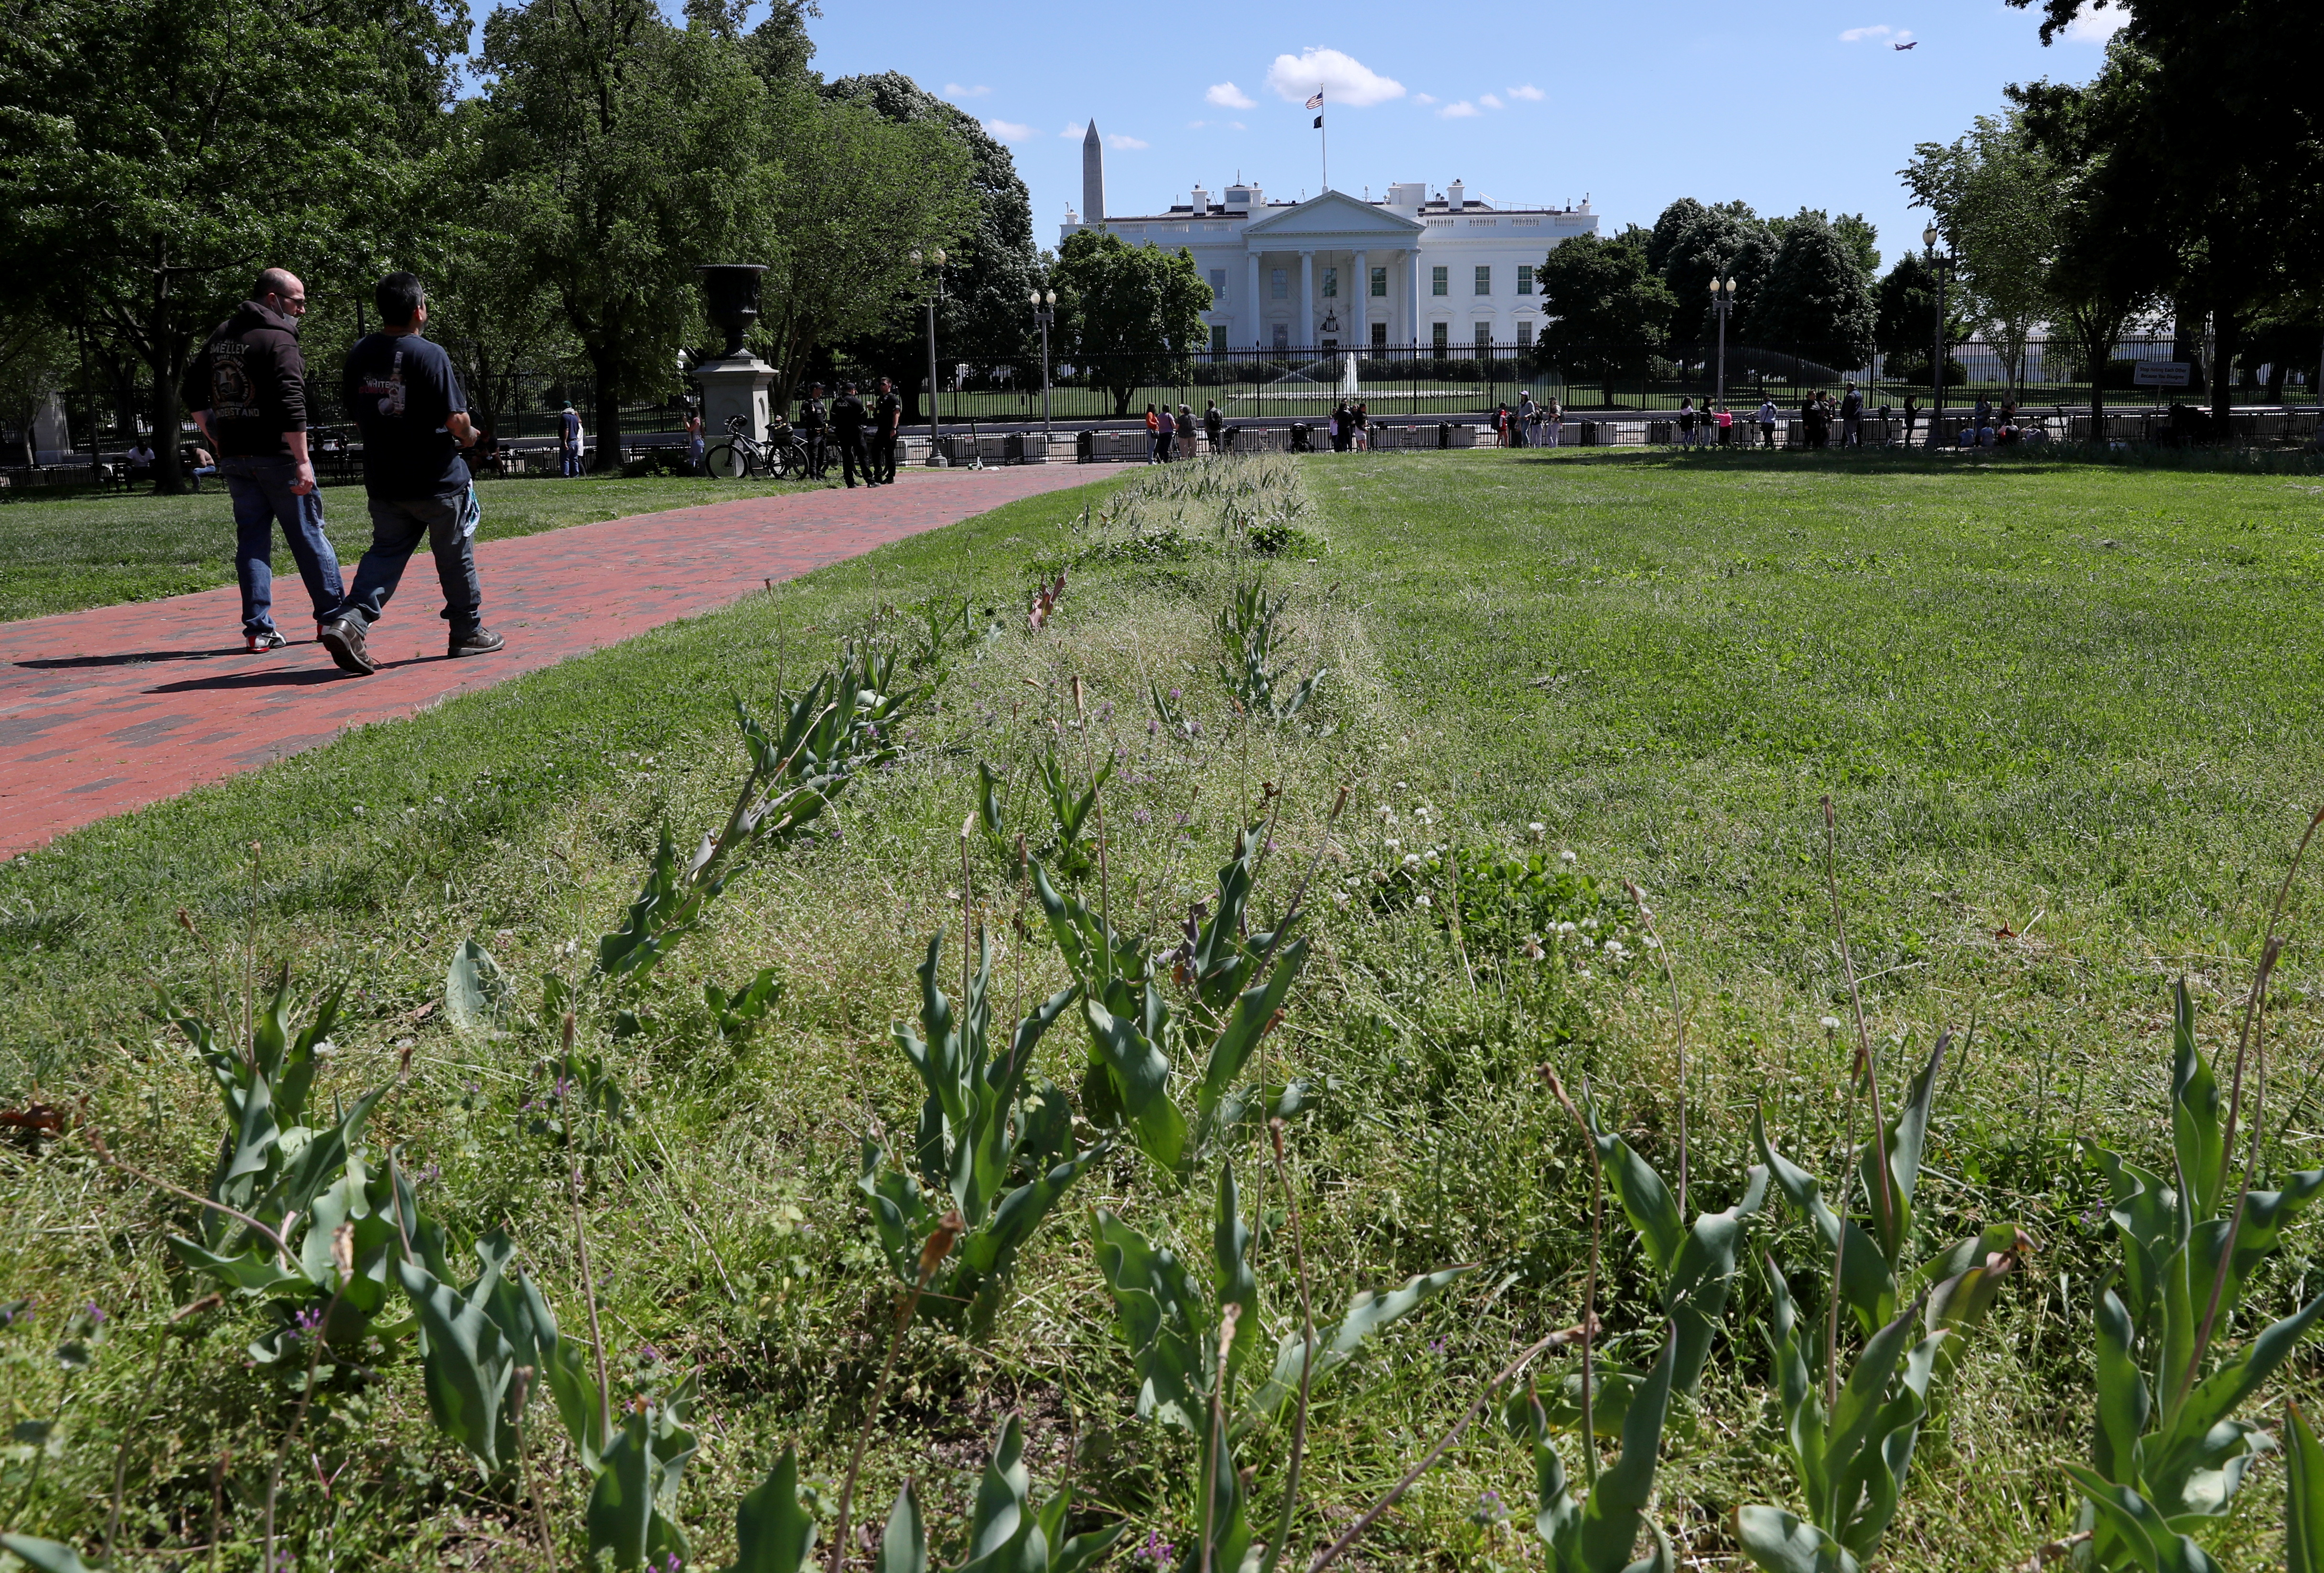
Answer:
(847, 418)
(814, 429)
(887, 418)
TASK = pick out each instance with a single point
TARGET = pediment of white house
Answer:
(1332, 218)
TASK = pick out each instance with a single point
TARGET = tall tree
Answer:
(855, 196)
(156, 155)
(1817, 302)
(1904, 320)
(1692, 243)
(36, 356)
(1997, 195)
(984, 317)
(2211, 109)
(1606, 312)
(619, 151)
(1131, 315)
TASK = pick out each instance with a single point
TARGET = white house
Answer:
(1337, 271)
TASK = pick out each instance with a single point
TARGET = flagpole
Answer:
(1327, 149)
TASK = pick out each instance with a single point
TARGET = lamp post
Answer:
(1722, 302)
(1937, 263)
(1045, 312)
(935, 295)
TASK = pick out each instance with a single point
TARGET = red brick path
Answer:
(107, 710)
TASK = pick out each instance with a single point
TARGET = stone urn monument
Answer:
(736, 384)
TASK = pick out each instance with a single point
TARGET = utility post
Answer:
(1937, 263)
(1045, 312)
(935, 294)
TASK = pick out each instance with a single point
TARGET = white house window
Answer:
(1218, 337)
(1524, 279)
(1278, 284)
(1484, 337)
(1331, 283)
(1439, 281)
(1484, 280)
(1525, 335)
(1218, 286)
(1438, 333)
(1283, 336)
(1380, 335)
(1379, 284)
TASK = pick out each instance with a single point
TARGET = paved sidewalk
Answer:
(107, 710)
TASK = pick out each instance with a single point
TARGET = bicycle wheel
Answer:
(729, 461)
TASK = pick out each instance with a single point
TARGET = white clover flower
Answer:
(1392, 843)
(1339, 898)
(1565, 927)
(1614, 947)
(1422, 902)
(1536, 826)
(1567, 855)
(1582, 972)
(1589, 922)
(1412, 860)
(1401, 787)
(1653, 942)
(1831, 1023)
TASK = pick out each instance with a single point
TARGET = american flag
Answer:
(1317, 101)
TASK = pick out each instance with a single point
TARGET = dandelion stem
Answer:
(933, 1251)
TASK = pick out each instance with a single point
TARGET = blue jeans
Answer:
(261, 493)
(398, 525)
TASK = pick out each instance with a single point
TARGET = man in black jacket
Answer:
(814, 429)
(248, 391)
(887, 418)
(847, 418)
(405, 397)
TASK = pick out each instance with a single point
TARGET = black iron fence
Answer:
(1433, 381)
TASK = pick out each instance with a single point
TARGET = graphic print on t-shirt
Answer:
(386, 393)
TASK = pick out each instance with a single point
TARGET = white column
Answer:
(1412, 294)
(1254, 313)
(1306, 323)
(1356, 330)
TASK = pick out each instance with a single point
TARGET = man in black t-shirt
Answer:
(887, 416)
(407, 400)
(847, 418)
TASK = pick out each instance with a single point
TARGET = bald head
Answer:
(281, 289)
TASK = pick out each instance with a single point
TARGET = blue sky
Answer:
(1807, 104)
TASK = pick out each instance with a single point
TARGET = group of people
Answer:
(1350, 427)
(1166, 432)
(246, 392)
(849, 424)
(1529, 425)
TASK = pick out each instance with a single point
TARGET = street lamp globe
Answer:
(913, 256)
(1929, 236)
(937, 256)
(1049, 298)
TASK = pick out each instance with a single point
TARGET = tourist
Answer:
(1213, 423)
(694, 443)
(139, 461)
(1363, 428)
(1852, 418)
(1553, 423)
(1726, 426)
(815, 426)
(407, 400)
(1186, 431)
(247, 391)
(1766, 418)
(848, 417)
(1153, 435)
(1501, 424)
(1686, 422)
(1339, 427)
(1912, 416)
(1811, 420)
(569, 442)
(887, 421)
(1166, 427)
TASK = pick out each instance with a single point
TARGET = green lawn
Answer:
(64, 554)
(2067, 716)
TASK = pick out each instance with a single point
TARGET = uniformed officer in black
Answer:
(814, 430)
(887, 418)
(847, 418)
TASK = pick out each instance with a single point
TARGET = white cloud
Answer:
(1424, 98)
(1227, 96)
(1234, 125)
(1528, 92)
(1869, 35)
(1125, 143)
(1009, 131)
(1074, 132)
(2097, 26)
(1345, 81)
(1489, 102)
(1461, 110)
(955, 91)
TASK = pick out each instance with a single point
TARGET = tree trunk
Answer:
(2100, 356)
(2229, 343)
(609, 416)
(169, 475)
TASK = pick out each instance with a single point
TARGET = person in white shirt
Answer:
(1766, 422)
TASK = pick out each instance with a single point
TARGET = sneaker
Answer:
(259, 644)
(343, 638)
(477, 641)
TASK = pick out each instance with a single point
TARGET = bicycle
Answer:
(741, 456)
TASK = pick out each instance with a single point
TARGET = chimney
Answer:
(1092, 177)
(1202, 202)
(1453, 197)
